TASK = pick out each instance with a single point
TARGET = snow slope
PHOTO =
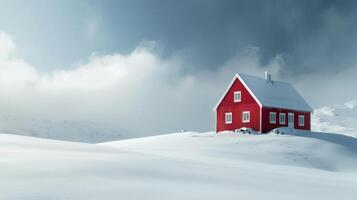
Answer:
(340, 119)
(181, 166)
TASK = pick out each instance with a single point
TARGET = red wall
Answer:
(228, 105)
(266, 126)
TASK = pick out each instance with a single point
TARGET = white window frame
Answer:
(225, 117)
(246, 120)
(301, 120)
(270, 117)
(235, 94)
(282, 116)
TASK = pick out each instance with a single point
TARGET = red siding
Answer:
(266, 126)
(247, 103)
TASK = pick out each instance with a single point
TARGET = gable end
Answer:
(236, 76)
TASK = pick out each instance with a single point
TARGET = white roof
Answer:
(276, 94)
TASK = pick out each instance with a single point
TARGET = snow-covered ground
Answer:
(181, 166)
(340, 119)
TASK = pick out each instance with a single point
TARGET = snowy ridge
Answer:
(340, 119)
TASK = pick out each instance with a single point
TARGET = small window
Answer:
(301, 120)
(246, 117)
(272, 117)
(237, 96)
(228, 118)
(282, 118)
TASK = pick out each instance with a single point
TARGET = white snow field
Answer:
(340, 119)
(189, 165)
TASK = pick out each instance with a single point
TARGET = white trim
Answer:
(282, 114)
(225, 118)
(270, 118)
(225, 92)
(303, 120)
(234, 96)
(261, 117)
(250, 92)
(229, 87)
(248, 120)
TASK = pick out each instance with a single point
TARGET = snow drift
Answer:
(181, 166)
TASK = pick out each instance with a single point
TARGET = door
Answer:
(291, 120)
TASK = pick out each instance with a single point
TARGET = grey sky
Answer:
(312, 44)
(312, 35)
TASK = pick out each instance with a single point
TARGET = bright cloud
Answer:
(139, 91)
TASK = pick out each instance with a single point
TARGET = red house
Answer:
(261, 104)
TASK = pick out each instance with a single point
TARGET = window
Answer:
(272, 117)
(237, 96)
(282, 118)
(301, 120)
(246, 117)
(228, 117)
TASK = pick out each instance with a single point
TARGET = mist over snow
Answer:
(139, 92)
(338, 118)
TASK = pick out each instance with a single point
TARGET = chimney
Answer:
(267, 76)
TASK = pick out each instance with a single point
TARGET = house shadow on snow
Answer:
(347, 141)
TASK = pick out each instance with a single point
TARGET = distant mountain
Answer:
(79, 131)
(336, 119)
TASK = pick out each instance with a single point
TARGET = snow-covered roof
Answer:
(276, 94)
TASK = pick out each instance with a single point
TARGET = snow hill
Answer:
(303, 165)
(80, 131)
(340, 119)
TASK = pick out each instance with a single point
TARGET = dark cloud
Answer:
(311, 35)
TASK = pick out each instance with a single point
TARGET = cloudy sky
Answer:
(159, 66)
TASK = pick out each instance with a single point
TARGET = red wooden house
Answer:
(261, 104)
